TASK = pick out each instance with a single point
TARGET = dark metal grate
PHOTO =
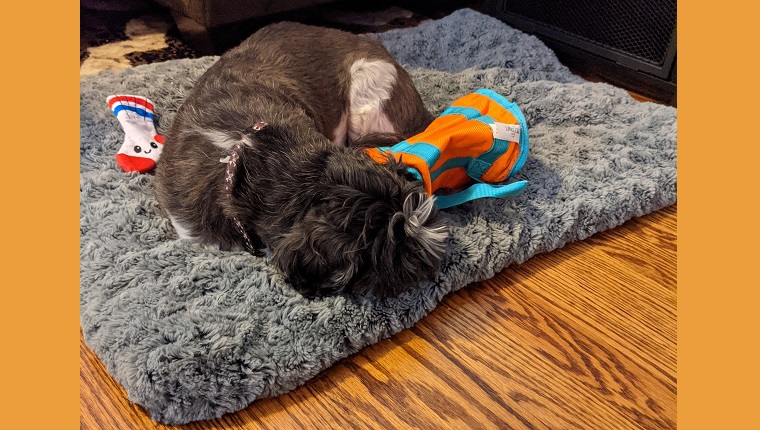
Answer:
(641, 29)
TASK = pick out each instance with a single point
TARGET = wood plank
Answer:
(601, 294)
(582, 337)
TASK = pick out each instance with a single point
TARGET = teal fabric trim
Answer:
(411, 170)
(480, 191)
(414, 172)
(498, 148)
(450, 164)
(514, 110)
(468, 113)
(523, 157)
(400, 146)
(426, 151)
(476, 168)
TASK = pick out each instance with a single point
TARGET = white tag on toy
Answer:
(508, 132)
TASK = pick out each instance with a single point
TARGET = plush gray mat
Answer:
(192, 334)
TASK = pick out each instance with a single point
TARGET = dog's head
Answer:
(373, 230)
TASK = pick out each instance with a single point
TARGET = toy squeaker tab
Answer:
(142, 145)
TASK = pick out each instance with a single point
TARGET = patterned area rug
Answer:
(116, 36)
(114, 40)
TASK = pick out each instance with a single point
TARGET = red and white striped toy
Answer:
(142, 145)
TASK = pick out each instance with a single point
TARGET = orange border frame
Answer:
(717, 225)
(40, 305)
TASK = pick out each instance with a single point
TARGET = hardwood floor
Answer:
(581, 337)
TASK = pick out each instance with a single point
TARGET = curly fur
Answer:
(334, 220)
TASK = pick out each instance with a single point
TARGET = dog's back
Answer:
(317, 69)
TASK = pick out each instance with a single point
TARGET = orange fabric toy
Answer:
(481, 138)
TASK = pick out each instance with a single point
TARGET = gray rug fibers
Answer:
(192, 334)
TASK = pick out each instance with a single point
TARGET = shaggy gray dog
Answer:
(267, 152)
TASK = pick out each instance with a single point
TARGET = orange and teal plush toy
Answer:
(467, 153)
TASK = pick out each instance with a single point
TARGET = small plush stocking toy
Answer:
(142, 145)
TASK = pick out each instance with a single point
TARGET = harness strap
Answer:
(230, 180)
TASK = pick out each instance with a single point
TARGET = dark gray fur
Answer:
(334, 220)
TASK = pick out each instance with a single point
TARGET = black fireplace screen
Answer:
(638, 30)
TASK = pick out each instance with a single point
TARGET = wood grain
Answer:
(580, 338)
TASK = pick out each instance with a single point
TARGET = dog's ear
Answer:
(417, 214)
(302, 269)
(401, 169)
(313, 260)
(414, 245)
(341, 277)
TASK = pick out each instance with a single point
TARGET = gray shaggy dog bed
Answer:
(192, 334)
